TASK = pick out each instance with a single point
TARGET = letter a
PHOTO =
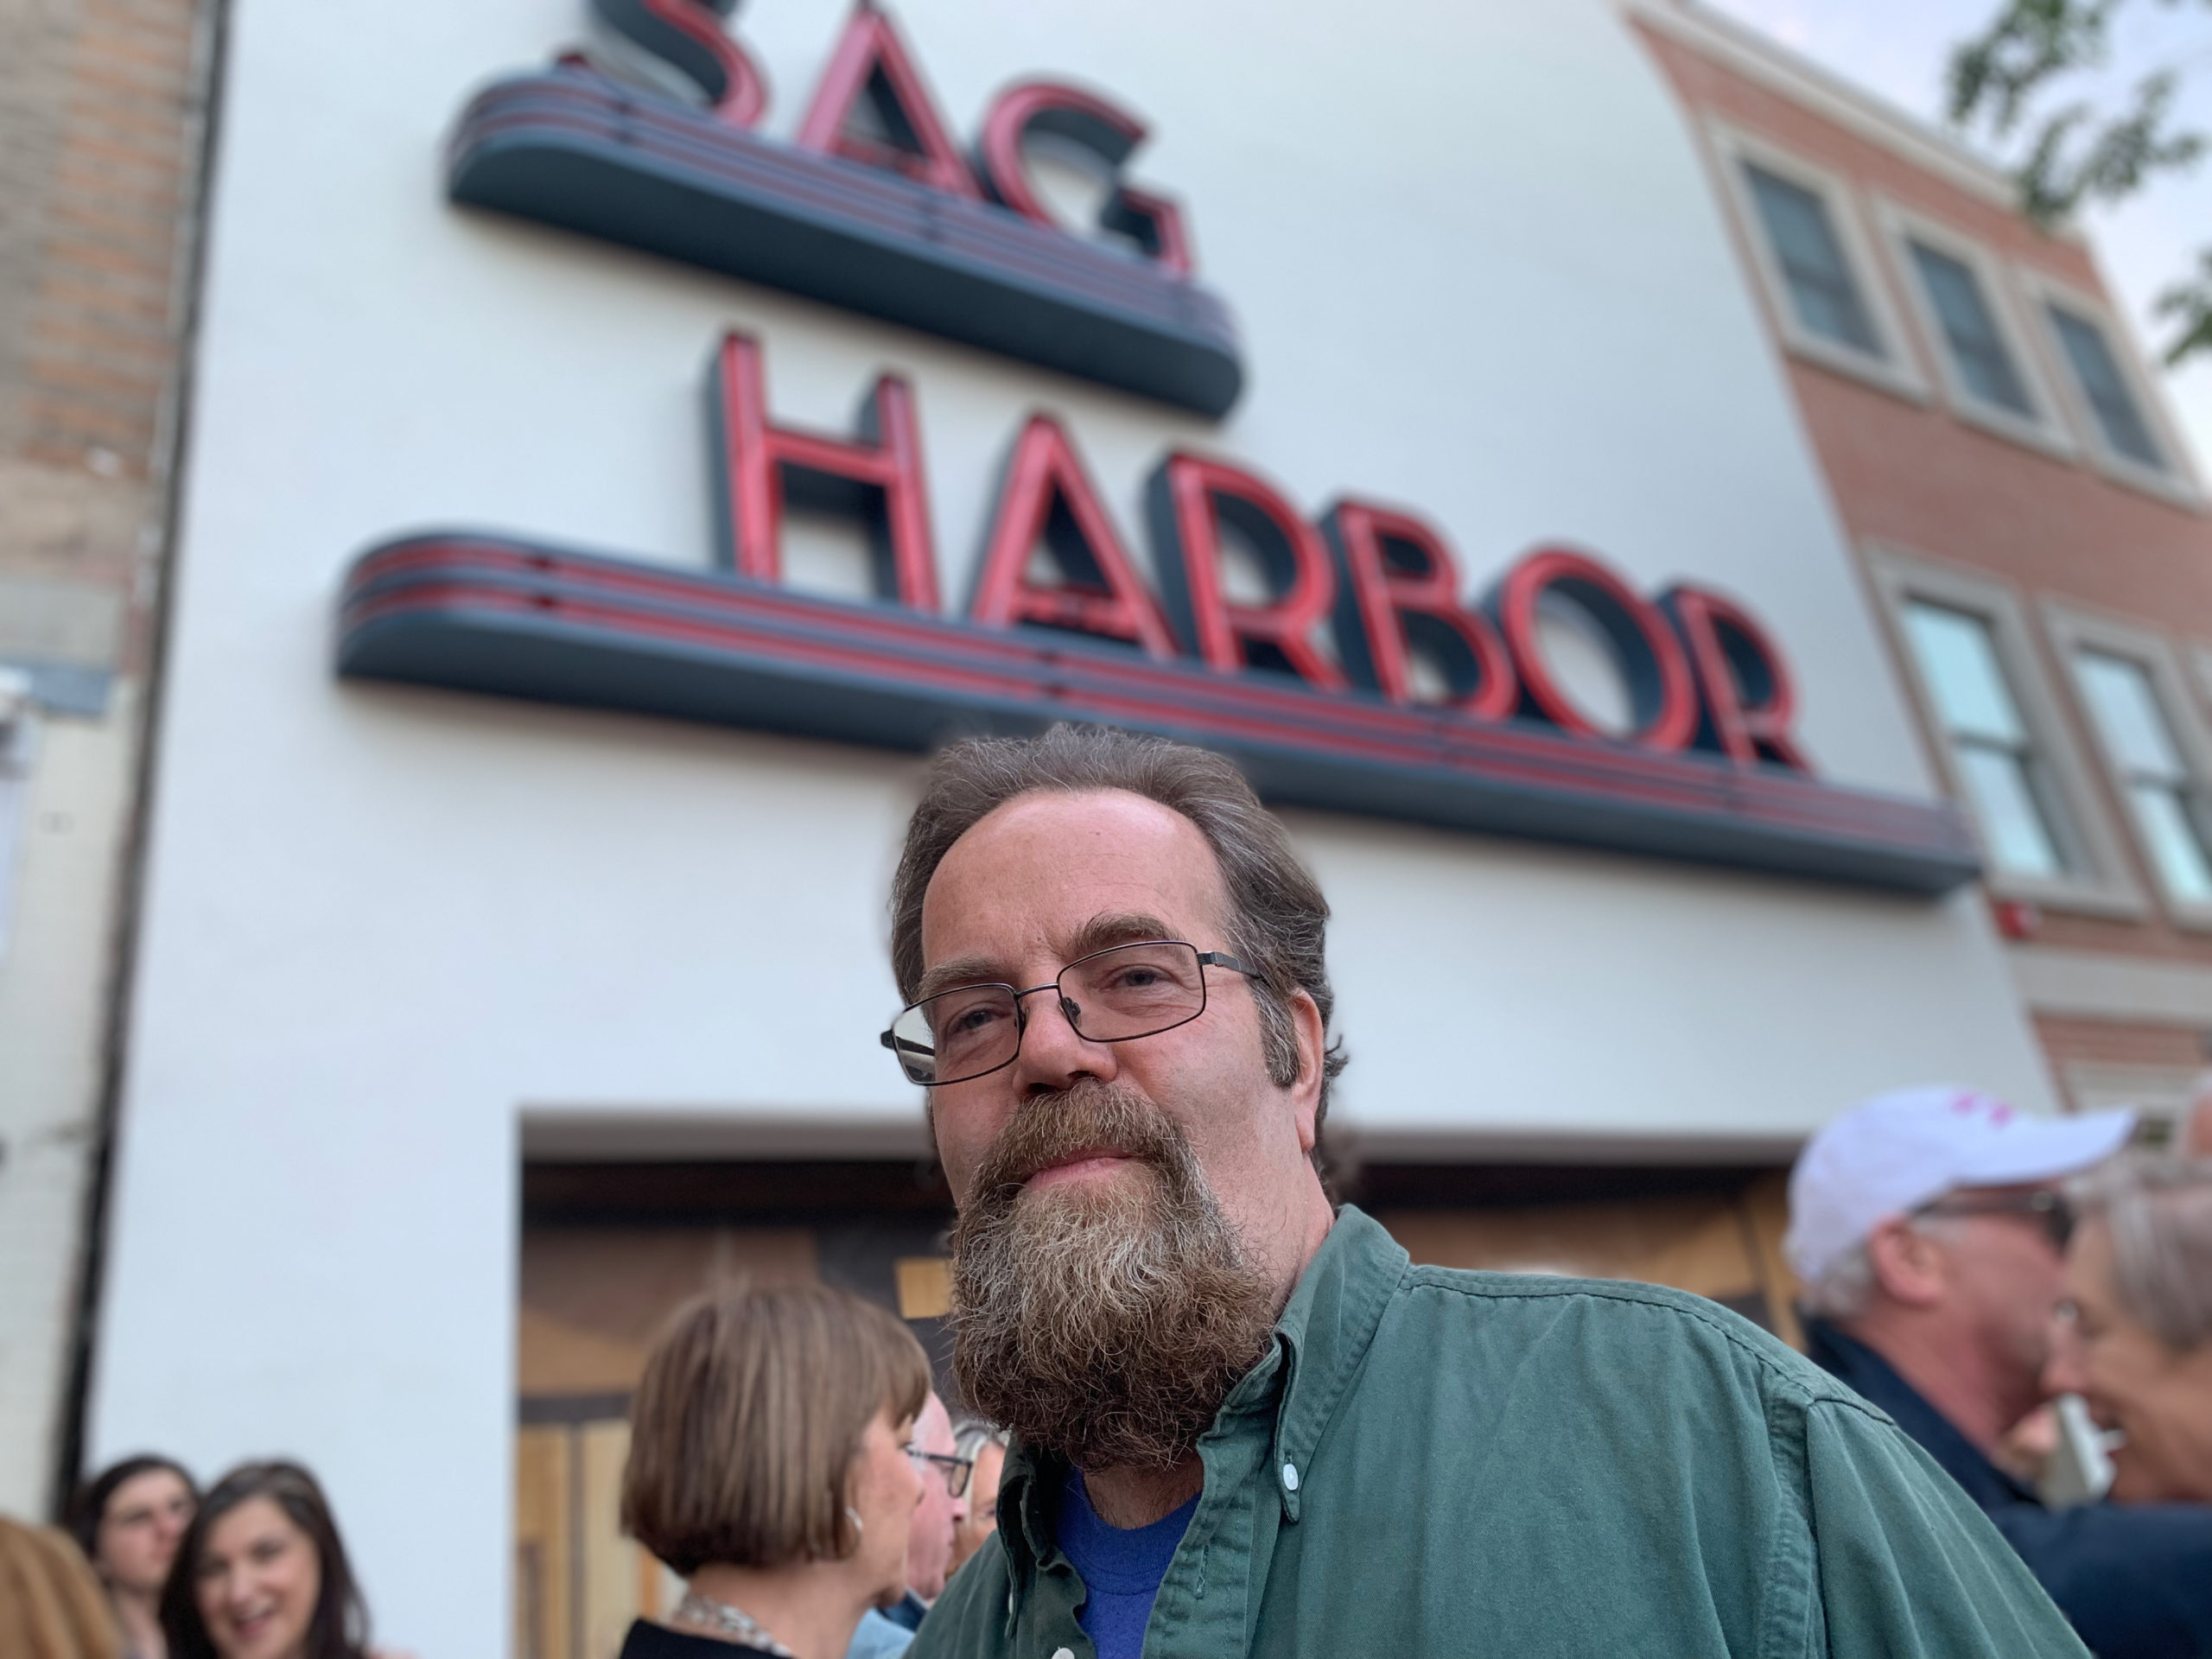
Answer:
(1048, 497)
(897, 127)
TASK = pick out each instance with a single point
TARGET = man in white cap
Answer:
(1930, 1230)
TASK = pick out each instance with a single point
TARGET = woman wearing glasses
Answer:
(770, 1469)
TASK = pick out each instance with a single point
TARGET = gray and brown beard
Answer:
(1106, 1321)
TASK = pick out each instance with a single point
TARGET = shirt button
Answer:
(1290, 1477)
(1063, 1653)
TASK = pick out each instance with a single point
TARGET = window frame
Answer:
(2045, 430)
(2105, 884)
(2177, 482)
(2073, 630)
(1897, 370)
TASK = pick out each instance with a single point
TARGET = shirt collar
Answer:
(1871, 1376)
(1320, 1340)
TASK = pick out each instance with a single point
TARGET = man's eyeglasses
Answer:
(956, 1471)
(2048, 1209)
(1109, 996)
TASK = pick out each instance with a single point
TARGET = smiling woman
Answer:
(2137, 1340)
(262, 1574)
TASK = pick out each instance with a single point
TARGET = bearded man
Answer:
(1244, 1421)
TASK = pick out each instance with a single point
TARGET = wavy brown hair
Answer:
(340, 1626)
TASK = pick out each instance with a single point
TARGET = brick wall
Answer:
(101, 113)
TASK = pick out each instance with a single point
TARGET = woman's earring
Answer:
(860, 1526)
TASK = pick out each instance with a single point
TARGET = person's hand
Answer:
(2025, 1451)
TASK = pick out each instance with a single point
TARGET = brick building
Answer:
(100, 118)
(2025, 513)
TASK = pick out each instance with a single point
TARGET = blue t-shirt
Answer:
(1121, 1568)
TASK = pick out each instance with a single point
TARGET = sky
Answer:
(1899, 48)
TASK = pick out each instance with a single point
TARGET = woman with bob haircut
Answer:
(771, 1468)
(2135, 1333)
(261, 1574)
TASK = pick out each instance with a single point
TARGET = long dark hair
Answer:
(339, 1627)
(88, 1504)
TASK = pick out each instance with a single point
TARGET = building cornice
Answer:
(1745, 51)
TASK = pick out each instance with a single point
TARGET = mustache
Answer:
(1091, 1117)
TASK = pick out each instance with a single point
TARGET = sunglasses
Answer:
(2047, 1208)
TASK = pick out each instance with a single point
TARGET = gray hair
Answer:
(972, 1434)
(2159, 1214)
(1278, 920)
(1843, 1292)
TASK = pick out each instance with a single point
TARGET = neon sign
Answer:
(873, 207)
(1709, 768)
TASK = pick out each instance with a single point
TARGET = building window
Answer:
(1961, 310)
(2112, 402)
(2146, 761)
(1823, 293)
(1992, 749)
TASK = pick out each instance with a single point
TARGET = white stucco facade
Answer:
(1477, 269)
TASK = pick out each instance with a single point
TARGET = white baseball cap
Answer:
(1889, 1155)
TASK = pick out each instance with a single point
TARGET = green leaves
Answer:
(2084, 151)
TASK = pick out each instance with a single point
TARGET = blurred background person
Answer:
(2193, 1133)
(261, 1573)
(984, 1447)
(1930, 1234)
(128, 1520)
(770, 1468)
(51, 1606)
(2135, 1338)
(885, 1632)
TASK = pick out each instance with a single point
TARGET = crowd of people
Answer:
(1220, 1414)
(150, 1567)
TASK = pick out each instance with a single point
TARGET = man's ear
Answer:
(1909, 1267)
(1313, 1044)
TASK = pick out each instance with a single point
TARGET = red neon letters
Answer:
(1749, 703)
(1651, 659)
(1154, 222)
(1189, 501)
(1048, 497)
(1701, 672)
(871, 64)
(1398, 587)
(878, 479)
(873, 75)
(688, 34)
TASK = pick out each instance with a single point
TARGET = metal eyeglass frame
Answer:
(1207, 959)
(958, 1471)
(2044, 1205)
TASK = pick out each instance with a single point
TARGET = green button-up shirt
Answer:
(1435, 1462)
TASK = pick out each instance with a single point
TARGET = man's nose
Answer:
(1054, 1053)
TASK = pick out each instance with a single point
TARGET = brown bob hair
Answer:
(748, 1417)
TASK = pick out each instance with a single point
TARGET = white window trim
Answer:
(2177, 483)
(2073, 630)
(2045, 430)
(1897, 370)
(2105, 887)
